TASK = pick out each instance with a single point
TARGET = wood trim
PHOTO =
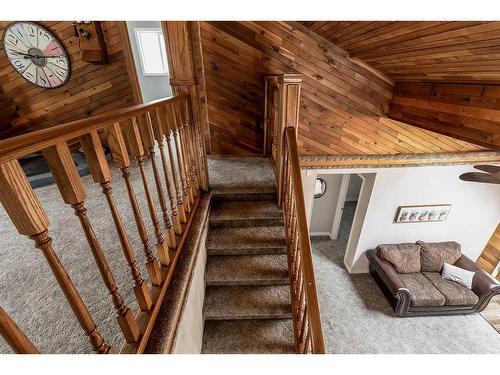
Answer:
(130, 63)
(399, 160)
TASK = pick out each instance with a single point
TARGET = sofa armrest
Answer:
(467, 264)
(483, 284)
(386, 271)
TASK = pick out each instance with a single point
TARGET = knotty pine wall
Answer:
(343, 104)
(465, 111)
(91, 89)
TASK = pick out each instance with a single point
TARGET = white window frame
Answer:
(137, 31)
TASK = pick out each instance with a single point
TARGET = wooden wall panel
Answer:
(469, 112)
(343, 104)
(490, 257)
(440, 51)
(91, 89)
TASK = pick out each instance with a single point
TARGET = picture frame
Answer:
(422, 213)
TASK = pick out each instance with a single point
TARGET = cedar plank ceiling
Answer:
(343, 104)
(91, 88)
(459, 52)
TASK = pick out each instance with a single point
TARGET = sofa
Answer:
(409, 274)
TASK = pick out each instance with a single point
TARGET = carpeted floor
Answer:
(28, 290)
(357, 318)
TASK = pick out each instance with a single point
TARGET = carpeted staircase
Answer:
(247, 301)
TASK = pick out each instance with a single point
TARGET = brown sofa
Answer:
(409, 275)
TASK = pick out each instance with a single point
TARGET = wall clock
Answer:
(36, 54)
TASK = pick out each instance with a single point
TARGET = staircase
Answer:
(247, 301)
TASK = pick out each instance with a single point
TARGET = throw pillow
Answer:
(434, 254)
(458, 275)
(404, 257)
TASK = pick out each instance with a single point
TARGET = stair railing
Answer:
(133, 135)
(284, 127)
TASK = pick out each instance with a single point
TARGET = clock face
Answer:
(36, 54)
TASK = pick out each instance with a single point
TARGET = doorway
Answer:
(333, 213)
(150, 58)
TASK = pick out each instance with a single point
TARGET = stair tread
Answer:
(273, 336)
(245, 210)
(234, 175)
(246, 237)
(247, 269)
(247, 302)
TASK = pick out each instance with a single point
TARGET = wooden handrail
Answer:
(25, 144)
(282, 117)
(130, 133)
(304, 243)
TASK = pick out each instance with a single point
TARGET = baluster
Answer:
(178, 132)
(28, 216)
(120, 156)
(185, 143)
(148, 140)
(14, 336)
(158, 134)
(168, 136)
(133, 136)
(193, 170)
(304, 332)
(101, 174)
(68, 181)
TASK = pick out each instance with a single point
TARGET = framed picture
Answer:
(422, 214)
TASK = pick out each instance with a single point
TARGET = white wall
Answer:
(323, 211)
(474, 215)
(152, 87)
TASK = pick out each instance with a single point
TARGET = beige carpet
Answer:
(29, 292)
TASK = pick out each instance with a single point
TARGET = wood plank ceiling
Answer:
(91, 89)
(422, 50)
(343, 104)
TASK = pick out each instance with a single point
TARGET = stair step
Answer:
(244, 196)
(272, 336)
(245, 213)
(247, 270)
(246, 240)
(247, 302)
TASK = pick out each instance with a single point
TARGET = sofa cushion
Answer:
(404, 257)
(434, 254)
(454, 293)
(423, 293)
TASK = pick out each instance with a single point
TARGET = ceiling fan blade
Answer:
(492, 169)
(479, 177)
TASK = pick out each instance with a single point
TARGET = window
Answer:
(151, 46)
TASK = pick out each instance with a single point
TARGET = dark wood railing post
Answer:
(288, 116)
(29, 218)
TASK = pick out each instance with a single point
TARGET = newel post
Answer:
(187, 77)
(288, 115)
